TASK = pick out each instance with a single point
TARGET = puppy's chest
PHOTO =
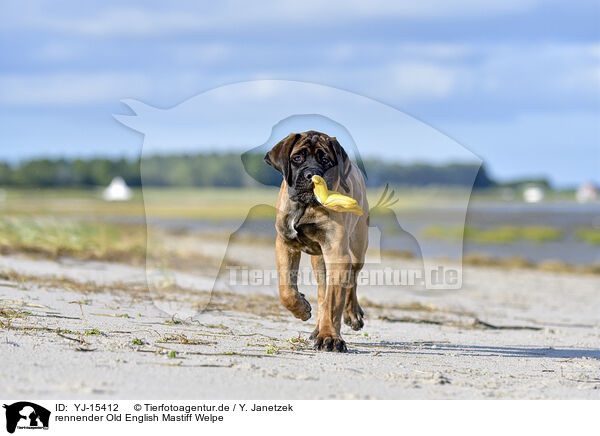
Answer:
(306, 233)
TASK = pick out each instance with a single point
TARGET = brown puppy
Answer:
(336, 241)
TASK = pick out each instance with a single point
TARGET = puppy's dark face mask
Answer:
(300, 156)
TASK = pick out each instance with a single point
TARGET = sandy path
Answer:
(415, 344)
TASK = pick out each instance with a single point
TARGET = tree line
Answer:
(213, 169)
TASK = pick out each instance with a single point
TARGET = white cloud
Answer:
(70, 88)
(123, 21)
(535, 74)
(435, 51)
(56, 51)
(527, 77)
(201, 53)
(236, 14)
(360, 9)
(421, 81)
(567, 71)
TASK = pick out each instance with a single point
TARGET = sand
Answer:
(80, 329)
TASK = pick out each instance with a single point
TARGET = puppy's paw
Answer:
(299, 306)
(354, 317)
(314, 334)
(330, 343)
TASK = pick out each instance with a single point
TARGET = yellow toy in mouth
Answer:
(334, 200)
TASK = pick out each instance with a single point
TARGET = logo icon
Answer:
(26, 415)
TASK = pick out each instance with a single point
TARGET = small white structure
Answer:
(586, 193)
(533, 194)
(117, 191)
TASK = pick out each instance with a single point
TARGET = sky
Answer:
(517, 82)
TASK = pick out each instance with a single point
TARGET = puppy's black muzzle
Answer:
(302, 190)
(304, 180)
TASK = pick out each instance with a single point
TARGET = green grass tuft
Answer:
(172, 321)
(272, 349)
(93, 332)
(591, 235)
(496, 235)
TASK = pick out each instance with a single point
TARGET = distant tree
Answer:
(521, 183)
(5, 174)
(219, 169)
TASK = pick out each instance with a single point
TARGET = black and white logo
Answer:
(26, 415)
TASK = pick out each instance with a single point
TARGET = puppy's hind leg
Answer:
(353, 313)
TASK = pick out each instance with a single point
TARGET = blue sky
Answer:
(515, 81)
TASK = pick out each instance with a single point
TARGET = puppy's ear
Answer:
(279, 156)
(343, 161)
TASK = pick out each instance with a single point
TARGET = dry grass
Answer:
(478, 259)
(183, 340)
(53, 238)
(259, 304)
(8, 315)
(516, 262)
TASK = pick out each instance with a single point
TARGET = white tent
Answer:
(117, 190)
(533, 194)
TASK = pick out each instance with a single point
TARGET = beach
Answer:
(77, 328)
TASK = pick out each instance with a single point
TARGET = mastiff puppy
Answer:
(336, 241)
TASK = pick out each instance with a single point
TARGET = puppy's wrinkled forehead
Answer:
(312, 142)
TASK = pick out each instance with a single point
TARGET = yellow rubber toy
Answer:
(334, 200)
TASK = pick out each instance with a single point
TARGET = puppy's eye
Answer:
(325, 160)
(297, 158)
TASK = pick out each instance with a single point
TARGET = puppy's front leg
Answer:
(288, 261)
(318, 264)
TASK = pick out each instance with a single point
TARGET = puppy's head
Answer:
(300, 156)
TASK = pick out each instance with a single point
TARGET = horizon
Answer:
(113, 158)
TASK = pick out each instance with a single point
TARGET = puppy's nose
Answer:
(310, 173)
